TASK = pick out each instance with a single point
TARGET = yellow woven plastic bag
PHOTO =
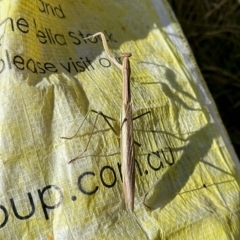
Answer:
(51, 76)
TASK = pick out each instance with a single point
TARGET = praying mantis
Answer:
(126, 135)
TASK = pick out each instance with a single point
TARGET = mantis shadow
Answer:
(174, 180)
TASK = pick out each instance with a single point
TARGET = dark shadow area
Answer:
(212, 30)
(172, 182)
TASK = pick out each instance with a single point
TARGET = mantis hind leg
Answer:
(105, 117)
(154, 154)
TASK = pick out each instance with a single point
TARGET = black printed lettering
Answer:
(60, 39)
(92, 40)
(6, 216)
(48, 9)
(59, 12)
(73, 65)
(156, 168)
(42, 6)
(77, 66)
(39, 65)
(22, 25)
(76, 40)
(18, 61)
(11, 22)
(50, 67)
(45, 207)
(104, 62)
(49, 35)
(109, 36)
(16, 212)
(103, 180)
(119, 165)
(82, 36)
(66, 67)
(2, 65)
(41, 37)
(8, 60)
(89, 63)
(80, 184)
(80, 67)
(31, 66)
(172, 157)
(46, 35)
